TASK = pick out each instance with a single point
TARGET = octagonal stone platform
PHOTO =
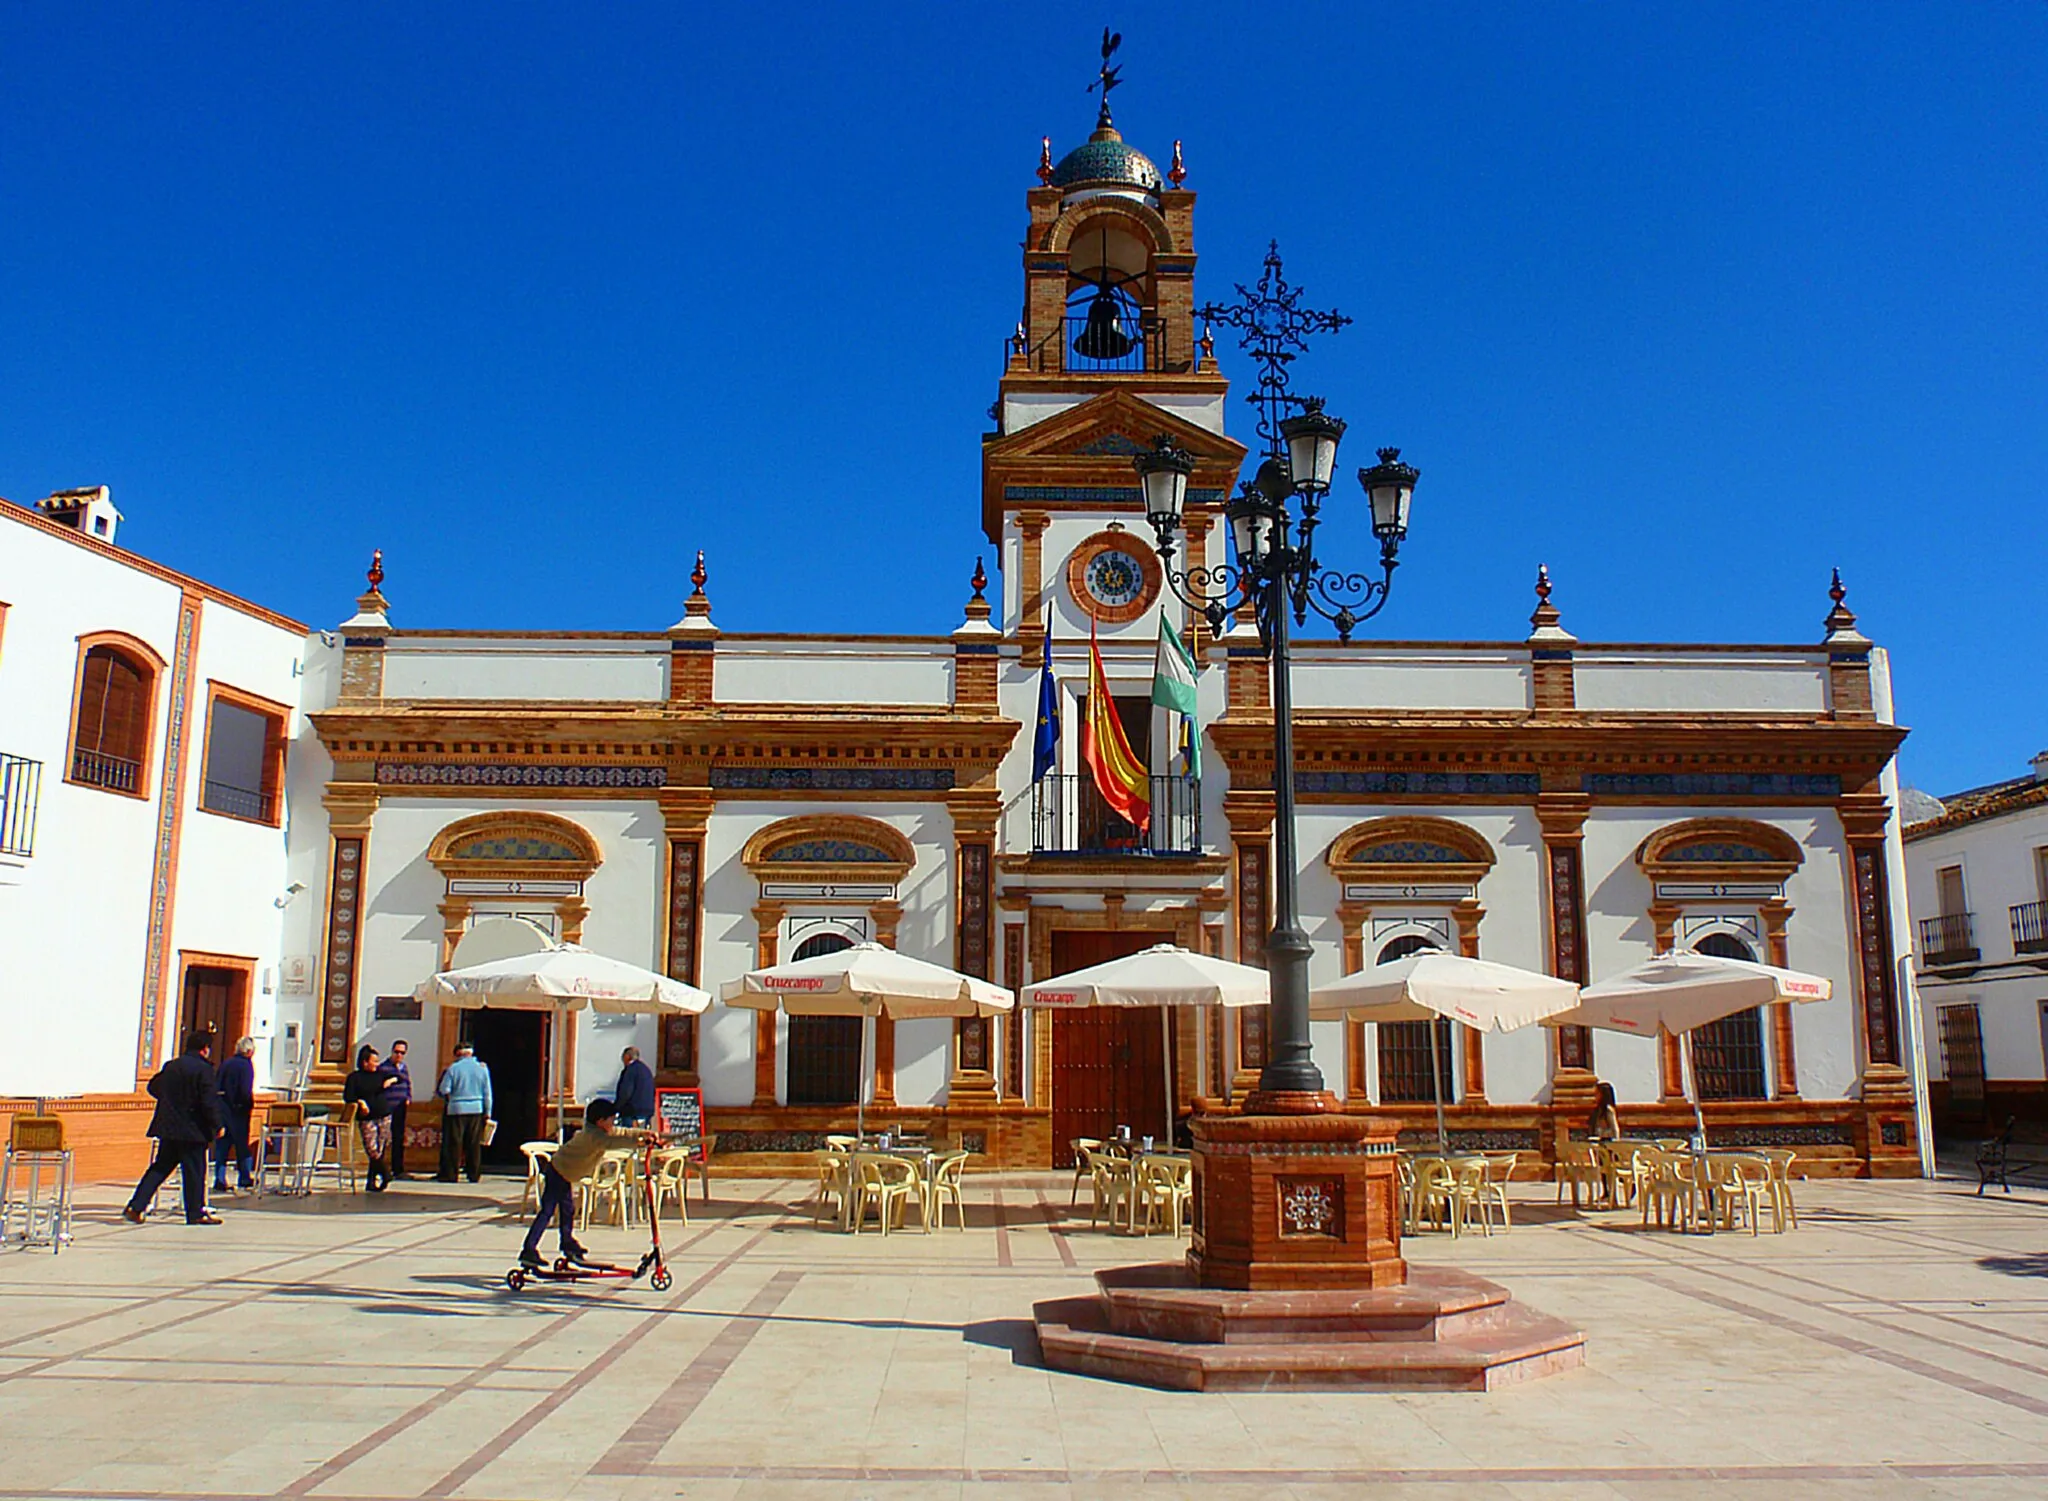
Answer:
(1444, 1330)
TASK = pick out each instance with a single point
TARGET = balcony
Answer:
(1947, 940)
(1074, 349)
(98, 769)
(251, 803)
(1069, 817)
(21, 785)
(2030, 928)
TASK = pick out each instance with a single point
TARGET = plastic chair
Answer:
(1491, 1193)
(536, 1153)
(1747, 1180)
(1629, 1170)
(1673, 1196)
(944, 1186)
(1083, 1146)
(1162, 1184)
(836, 1182)
(1114, 1185)
(1404, 1182)
(1436, 1196)
(34, 1143)
(671, 1179)
(1578, 1168)
(889, 1184)
(1780, 1160)
(613, 1185)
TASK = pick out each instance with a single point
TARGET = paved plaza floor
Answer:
(342, 1346)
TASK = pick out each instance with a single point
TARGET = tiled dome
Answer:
(1105, 160)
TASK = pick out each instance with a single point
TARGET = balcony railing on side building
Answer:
(1947, 939)
(98, 769)
(1069, 817)
(239, 802)
(2030, 928)
(21, 788)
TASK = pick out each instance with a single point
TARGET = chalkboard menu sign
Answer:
(681, 1115)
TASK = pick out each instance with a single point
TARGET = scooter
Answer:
(651, 1266)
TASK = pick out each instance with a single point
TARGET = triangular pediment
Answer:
(1083, 455)
(1113, 427)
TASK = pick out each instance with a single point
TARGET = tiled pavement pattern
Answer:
(1896, 1345)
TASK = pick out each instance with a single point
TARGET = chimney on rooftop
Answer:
(2040, 764)
(90, 510)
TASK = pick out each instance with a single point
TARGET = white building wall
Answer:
(1704, 682)
(833, 672)
(1818, 939)
(491, 668)
(730, 948)
(231, 872)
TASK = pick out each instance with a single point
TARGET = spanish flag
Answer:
(1106, 752)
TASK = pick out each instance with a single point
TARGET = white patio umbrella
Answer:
(1163, 975)
(1485, 996)
(865, 980)
(1680, 991)
(561, 980)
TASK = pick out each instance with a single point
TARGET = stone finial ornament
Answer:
(1177, 173)
(1546, 616)
(699, 603)
(1841, 620)
(376, 573)
(976, 625)
(1045, 160)
(1208, 345)
(980, 580)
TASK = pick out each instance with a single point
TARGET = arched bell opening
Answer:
(1111, 318)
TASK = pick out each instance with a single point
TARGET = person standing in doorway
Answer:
(398, 1097)
(237, 1080)
(635, 1092)
(465, 1092)
(185, 1122)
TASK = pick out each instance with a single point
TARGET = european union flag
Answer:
(1045, 744)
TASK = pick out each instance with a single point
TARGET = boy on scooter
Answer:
(573, 1161)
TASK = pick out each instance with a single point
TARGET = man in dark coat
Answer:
(186, 1121)
(237, 1078)
(635, 1093)
(397, 1097)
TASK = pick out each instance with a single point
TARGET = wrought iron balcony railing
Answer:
(1069, 817)
(21, 786)
(2030, 928)
(1947, 939)
(98, 769)
(239, 802)
(1073, 348)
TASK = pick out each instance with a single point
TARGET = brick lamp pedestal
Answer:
(1295, 1278)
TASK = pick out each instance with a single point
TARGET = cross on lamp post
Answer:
(1272, 524)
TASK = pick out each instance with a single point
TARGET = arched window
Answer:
(1404, 1046)
(1728, 1055)
(824, 1051)
(112, 712)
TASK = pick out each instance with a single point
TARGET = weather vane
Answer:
(1107, 79)
(1275, 329)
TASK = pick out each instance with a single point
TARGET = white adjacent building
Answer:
(145, 723)
(1977, 867)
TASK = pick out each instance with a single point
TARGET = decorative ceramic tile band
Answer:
(1297, 1149)
(1711, 784)
(832, 778)
(484, 774)
(1451, 783)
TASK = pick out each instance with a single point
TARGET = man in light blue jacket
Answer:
(465, 1091)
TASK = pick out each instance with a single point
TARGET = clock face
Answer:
(1114, 578)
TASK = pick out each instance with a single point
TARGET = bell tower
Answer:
(1105, 358)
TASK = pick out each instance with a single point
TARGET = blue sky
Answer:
(1691, 303)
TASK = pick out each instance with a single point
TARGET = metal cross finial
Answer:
(1275, 329)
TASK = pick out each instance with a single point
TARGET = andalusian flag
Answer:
(1106, 752)
(1173, 687)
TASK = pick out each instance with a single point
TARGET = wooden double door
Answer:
(1109, 1063)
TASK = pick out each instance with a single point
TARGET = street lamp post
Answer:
(1275, 572)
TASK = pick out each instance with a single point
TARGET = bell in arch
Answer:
(1103, 336)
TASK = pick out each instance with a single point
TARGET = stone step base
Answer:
(1444, 1331)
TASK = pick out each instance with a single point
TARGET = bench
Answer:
(1996, 1163)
